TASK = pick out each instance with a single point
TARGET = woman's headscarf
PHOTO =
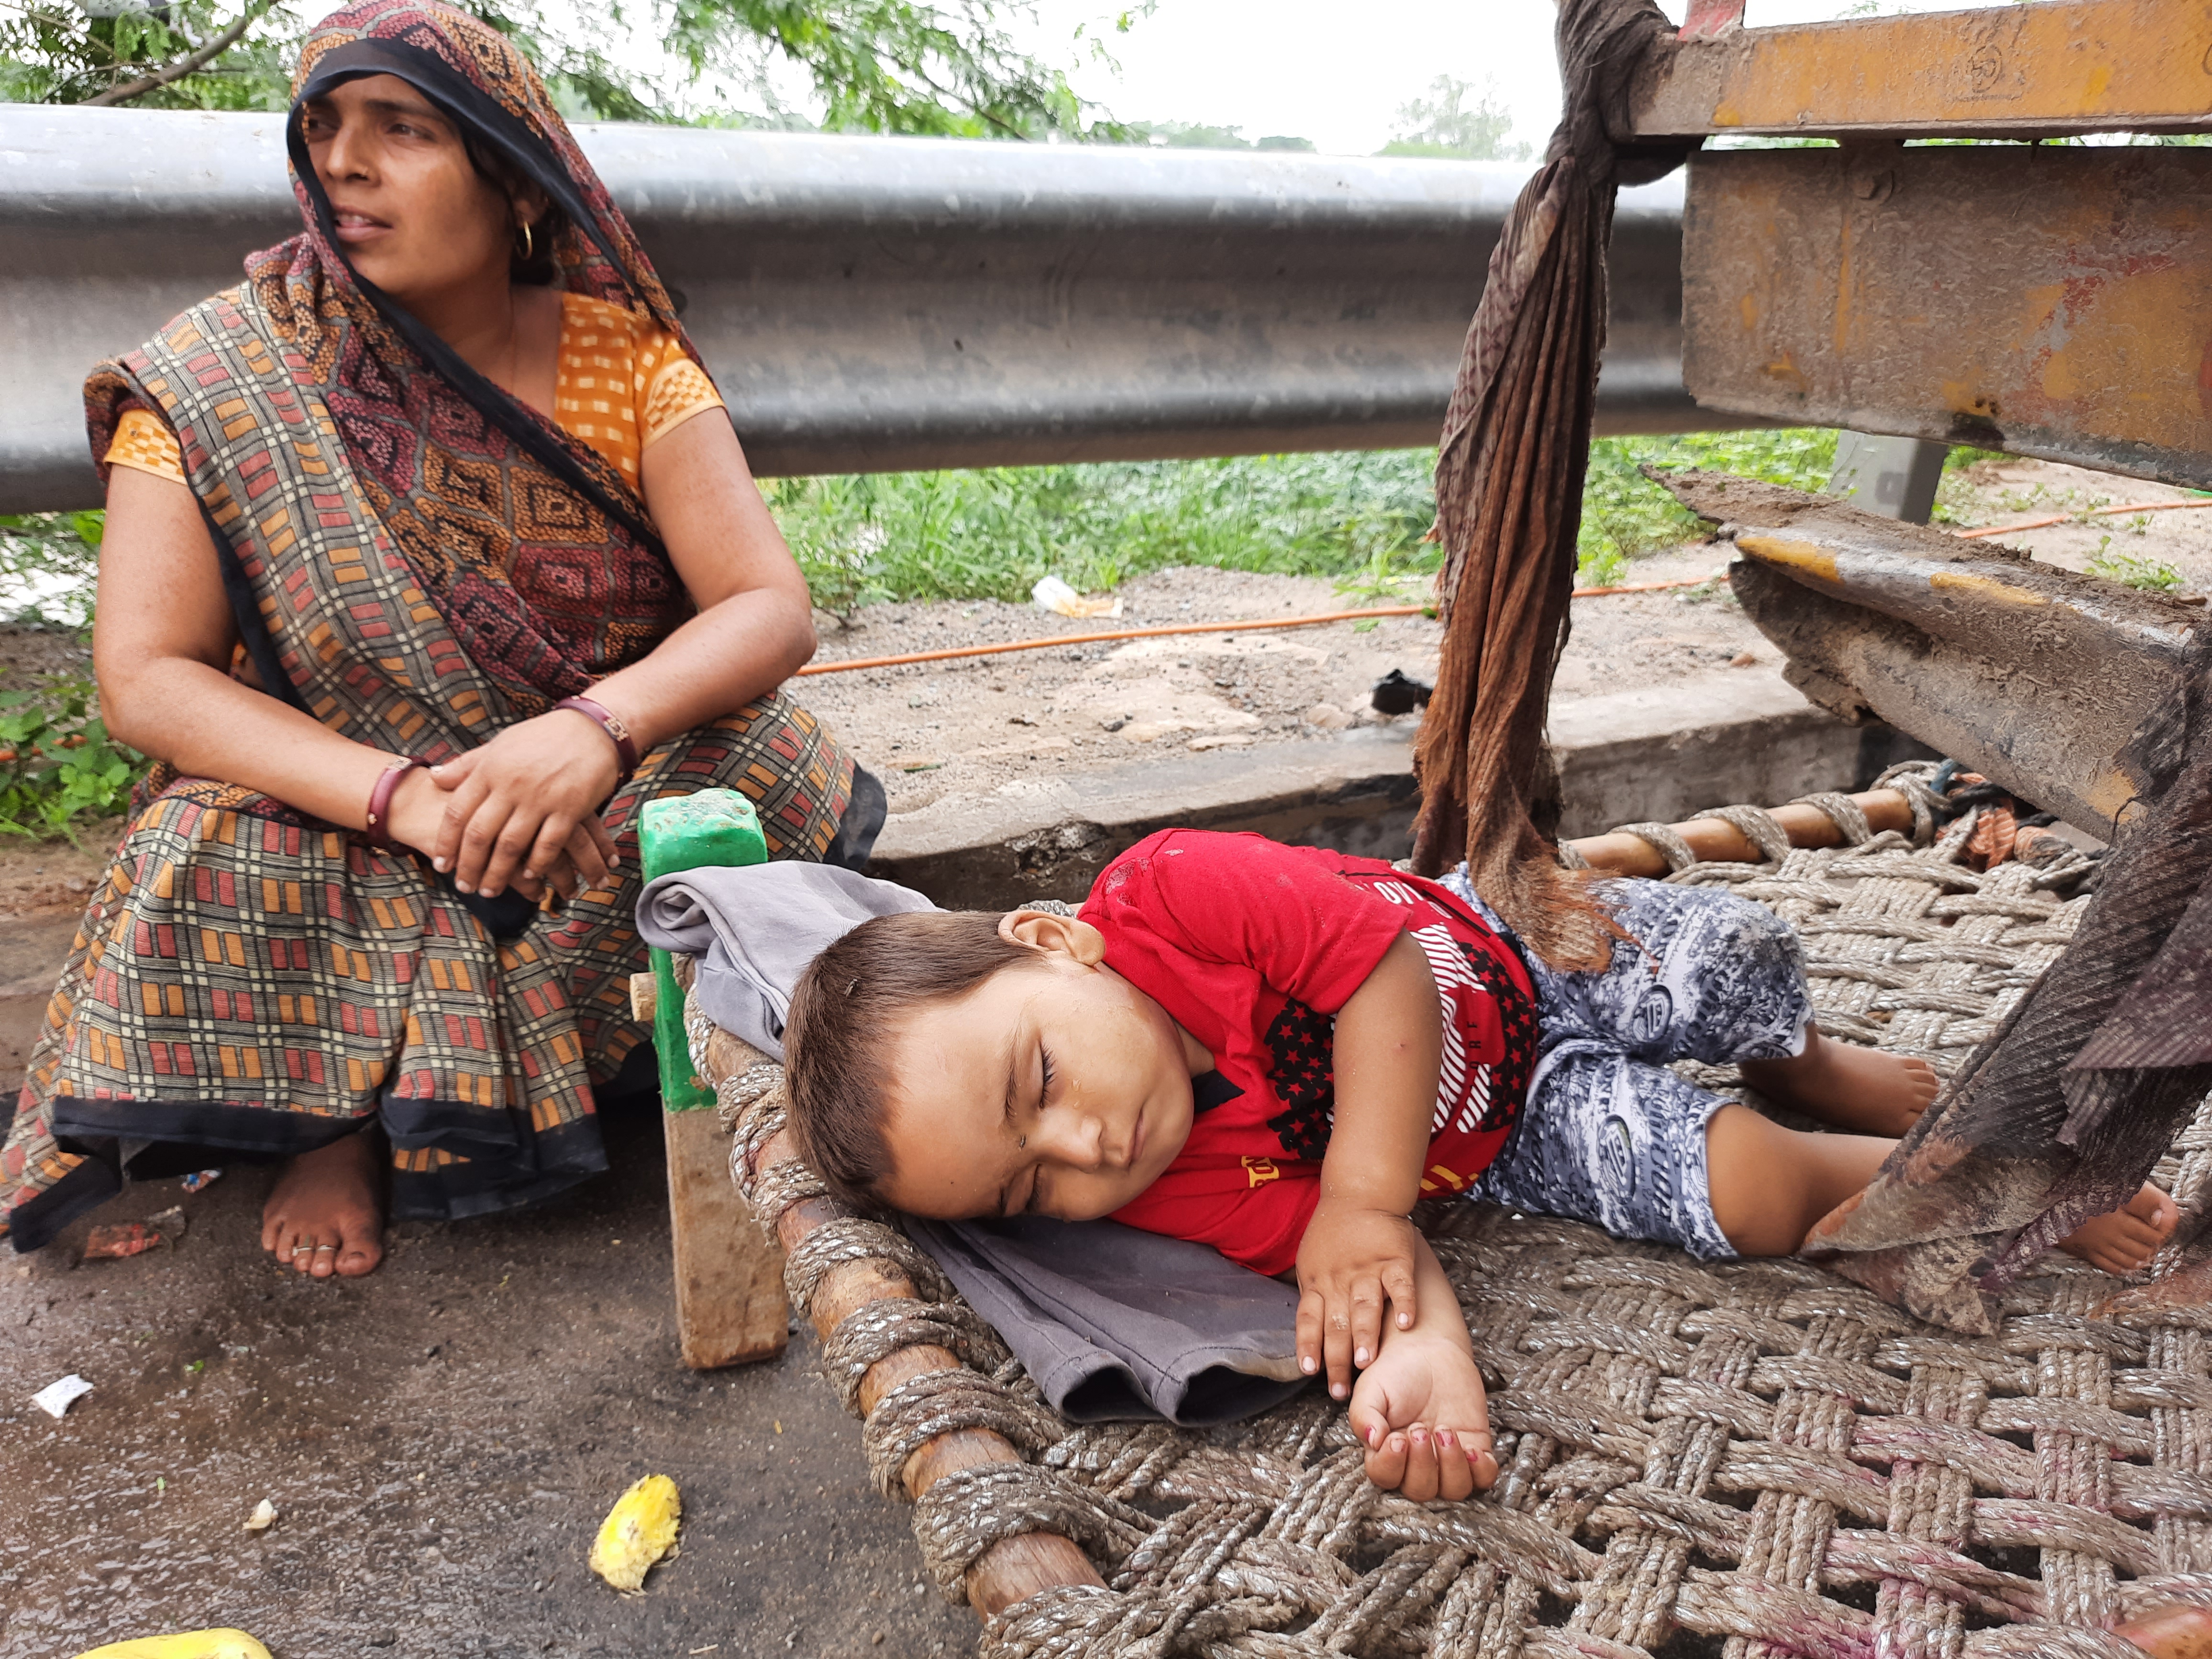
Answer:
(541, 559)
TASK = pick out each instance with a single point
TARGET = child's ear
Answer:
(1055, 936)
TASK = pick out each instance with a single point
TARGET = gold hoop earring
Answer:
(529, 243)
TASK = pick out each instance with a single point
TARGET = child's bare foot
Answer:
(322, 1218)
(2126, 1240)
(1864, 1090)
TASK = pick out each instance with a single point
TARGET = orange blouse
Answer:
(623, 383)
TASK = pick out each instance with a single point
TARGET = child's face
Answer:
(1056, 1088)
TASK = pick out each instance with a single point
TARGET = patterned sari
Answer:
(417, 560)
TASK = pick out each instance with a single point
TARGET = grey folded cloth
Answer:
(754, 929)
(1116, 1324)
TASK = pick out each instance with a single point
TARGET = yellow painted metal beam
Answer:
(2018, 71)
(2043, 300)
(2038, 678)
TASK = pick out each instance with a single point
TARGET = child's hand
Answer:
(1419, 1411)
(1351, 1260)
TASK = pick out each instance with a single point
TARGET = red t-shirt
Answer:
(1252, 947)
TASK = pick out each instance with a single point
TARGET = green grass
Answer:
(991, 534)
(2152, 575)
(57, 762)
(1359, 518)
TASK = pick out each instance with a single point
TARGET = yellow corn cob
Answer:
(637, 1532)
(193, 1644)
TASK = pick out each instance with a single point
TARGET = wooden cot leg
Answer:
(730, 1306)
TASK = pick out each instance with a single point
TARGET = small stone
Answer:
(1328, 716)
(1111, 725)
(1744, 659)
(877, 1640)
(383, 1639)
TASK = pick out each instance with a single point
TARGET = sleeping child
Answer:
(1277, 1050)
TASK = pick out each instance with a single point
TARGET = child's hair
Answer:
(843, 1012)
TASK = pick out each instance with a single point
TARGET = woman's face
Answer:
(414, 216)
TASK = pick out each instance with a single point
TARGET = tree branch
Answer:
(185, 65)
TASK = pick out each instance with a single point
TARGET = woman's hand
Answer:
(522, 810)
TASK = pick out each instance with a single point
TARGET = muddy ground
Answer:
(441, 1439)
(969, 726)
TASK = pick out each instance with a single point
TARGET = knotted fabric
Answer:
(1508, 499)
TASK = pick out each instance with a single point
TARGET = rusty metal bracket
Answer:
(2038, 678)
(2044, 301)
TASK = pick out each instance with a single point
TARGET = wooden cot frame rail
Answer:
(1012, 1569)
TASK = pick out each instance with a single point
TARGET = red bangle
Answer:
(379, 799)
(612, 724)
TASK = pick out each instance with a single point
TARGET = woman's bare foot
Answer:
(1864, 1090)
(2126, 1240)
(323, 1216)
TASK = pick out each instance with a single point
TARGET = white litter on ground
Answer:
(56, 1398)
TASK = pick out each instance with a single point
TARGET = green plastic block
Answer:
(715, 827)
(710, 829)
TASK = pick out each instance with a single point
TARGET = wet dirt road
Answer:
(440, 1440)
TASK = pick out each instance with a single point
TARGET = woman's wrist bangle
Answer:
(612, 724)
(380, 801)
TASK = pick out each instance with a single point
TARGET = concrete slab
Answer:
(1661, 751)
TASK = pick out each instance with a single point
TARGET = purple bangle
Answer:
(612, 724)
(379, 799)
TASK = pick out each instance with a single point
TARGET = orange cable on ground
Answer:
(1050, 640)
(2045, 522)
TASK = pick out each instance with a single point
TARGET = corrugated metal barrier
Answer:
(880, 304)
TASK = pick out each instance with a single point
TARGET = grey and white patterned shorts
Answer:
(1609, 1135)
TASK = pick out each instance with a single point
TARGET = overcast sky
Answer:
(1336, 70)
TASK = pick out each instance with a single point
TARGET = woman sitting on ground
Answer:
(430, 555)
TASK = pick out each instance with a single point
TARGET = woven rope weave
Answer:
(1739, 1459)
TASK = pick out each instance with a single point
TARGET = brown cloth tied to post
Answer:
(1509, 500)
(2062, 1113)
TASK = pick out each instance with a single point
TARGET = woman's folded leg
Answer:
(250, 988)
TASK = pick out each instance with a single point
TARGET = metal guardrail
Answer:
(879, 304)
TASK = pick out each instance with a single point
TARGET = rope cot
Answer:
(1742, 1459)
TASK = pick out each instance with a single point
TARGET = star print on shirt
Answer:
(1516, 1020)
(1302, 1044)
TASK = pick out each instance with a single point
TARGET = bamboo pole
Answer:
(1621, 854)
